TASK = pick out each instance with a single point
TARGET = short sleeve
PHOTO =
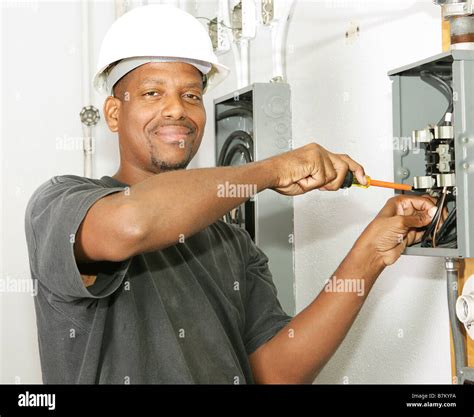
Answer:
(52, 218)
(264, 315)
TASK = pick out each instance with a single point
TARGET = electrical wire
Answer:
(441, 208)
(447, 225)
(245, 154)
(235, 150)
(235, 112)
(424, 240)
(238, 134)
(447, 235)
(242, 143)
(441, 234)
(441, 85)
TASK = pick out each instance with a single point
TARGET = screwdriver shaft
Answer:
(392, 185)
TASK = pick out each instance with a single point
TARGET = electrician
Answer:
(138, 266)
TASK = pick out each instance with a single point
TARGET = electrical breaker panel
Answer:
(252, 124)
(433, 129)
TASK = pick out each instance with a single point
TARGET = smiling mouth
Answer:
(172, 134)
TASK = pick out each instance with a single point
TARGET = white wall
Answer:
(341, 98)
(41, 137)
(40, 102)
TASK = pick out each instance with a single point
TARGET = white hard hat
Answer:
(155, 33)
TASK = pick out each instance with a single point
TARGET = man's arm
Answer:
(160, 210)
(156, 212)
(299, 351)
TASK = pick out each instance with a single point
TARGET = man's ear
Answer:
(111, 112)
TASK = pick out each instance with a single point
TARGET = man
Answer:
(139, 279)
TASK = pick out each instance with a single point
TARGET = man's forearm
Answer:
(299, 351)
(174, 205)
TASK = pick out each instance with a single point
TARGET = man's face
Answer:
(159, 114)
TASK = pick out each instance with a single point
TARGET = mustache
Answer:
(187, 125)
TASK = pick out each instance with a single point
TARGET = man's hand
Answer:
(396, 226)
(311, 167)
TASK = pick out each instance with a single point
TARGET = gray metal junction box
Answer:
(416, 104)
(252, 124)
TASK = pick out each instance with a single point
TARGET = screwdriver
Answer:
(350, 180)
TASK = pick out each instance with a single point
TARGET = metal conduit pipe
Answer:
(459, 343)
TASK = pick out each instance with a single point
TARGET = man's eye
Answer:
(150, 93)
(194, 97)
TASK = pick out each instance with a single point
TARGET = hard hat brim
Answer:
(216, 75)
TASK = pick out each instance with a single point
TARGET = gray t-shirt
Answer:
(191, 313)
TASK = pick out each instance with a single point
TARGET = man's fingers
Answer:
(329, 171)
(418, 235)
(419, 219)
(412, 204)
(310, 183)
(433, 200)
(341, 169)
(405, 205)
(317, 178)
(356, 168)
(444, 214)
(411, 237)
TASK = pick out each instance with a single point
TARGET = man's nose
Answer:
(173, 107)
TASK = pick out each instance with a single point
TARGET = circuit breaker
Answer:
(252, 124)
(433, 129)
